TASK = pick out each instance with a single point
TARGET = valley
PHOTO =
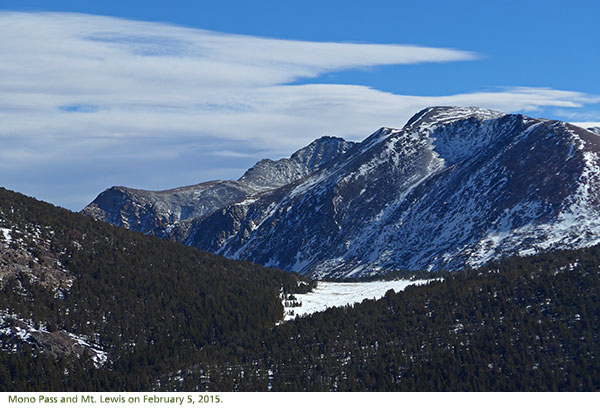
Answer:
(459, 253)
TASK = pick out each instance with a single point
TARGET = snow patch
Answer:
(7, 234)
(336, 294)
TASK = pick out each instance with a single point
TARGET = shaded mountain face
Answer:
(454, 187)
(158, 212)
(155, 212)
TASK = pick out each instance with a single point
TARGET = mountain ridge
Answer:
(454, 187)
(156, 212)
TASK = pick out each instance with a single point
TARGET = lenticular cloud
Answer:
(84, 96)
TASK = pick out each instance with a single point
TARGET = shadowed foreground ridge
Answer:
(112, 307)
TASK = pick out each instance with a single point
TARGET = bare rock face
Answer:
(156, 212)
(455, 187)
(25, 256)
(268, 174)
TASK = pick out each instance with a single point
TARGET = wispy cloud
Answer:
(232, 154)
(89, 101)
(590, 114)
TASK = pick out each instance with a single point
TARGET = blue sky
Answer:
(156, 95)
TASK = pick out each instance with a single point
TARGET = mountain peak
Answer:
(445, 114)
(321, 151)
(455, 187)
(268, 174)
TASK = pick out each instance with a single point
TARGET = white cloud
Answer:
(587, 124)
(95, 101)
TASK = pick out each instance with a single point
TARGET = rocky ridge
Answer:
(158, 212)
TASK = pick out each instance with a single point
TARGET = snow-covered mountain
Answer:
(454, 187)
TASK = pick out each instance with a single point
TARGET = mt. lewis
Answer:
(455, 187)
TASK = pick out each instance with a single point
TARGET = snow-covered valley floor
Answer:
(331, 294)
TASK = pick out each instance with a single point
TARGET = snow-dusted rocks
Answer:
(590, 126)
(454, 187)
(14, 330)
(268, 174)
(156, 212)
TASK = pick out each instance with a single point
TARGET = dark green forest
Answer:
(173, 318)
(523, 324)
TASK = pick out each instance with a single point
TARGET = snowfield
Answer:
(335, 294)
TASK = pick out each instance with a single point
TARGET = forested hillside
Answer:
(146, 304)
